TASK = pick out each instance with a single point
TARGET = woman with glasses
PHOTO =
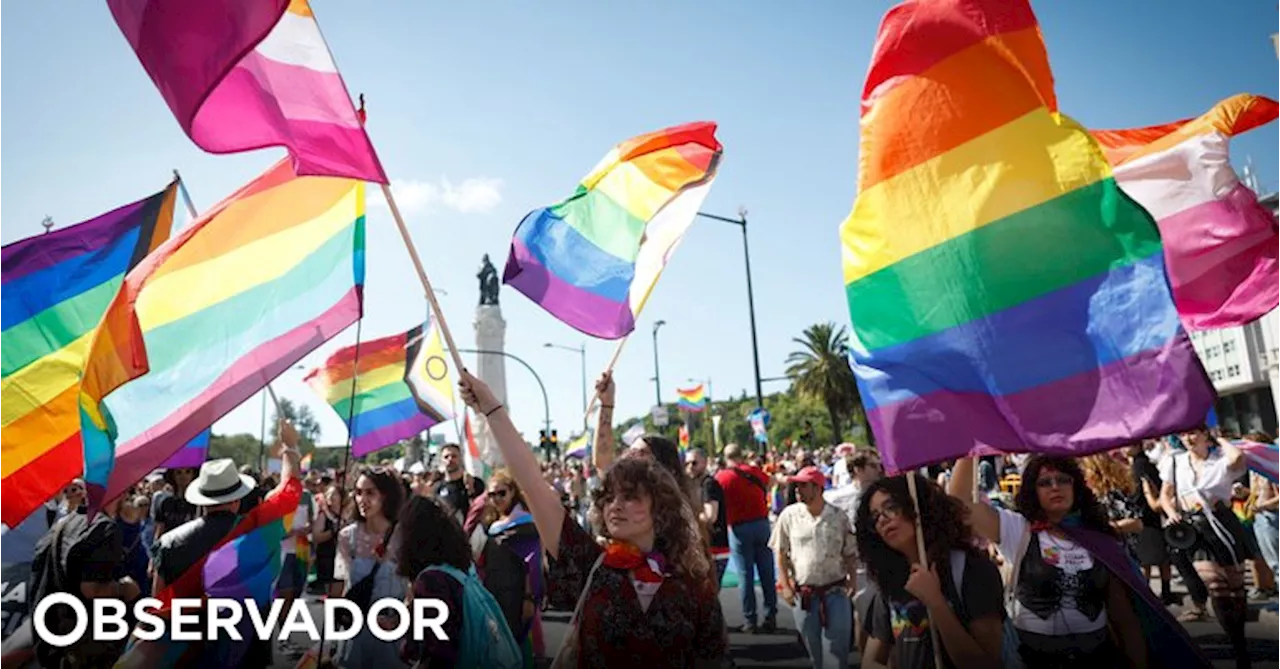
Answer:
(511, 543)
(1074, 587)
(73, 498)
(1197, 496)
(953, 586)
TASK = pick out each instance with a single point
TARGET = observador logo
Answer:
(223, 619)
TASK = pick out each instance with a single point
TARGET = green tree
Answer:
(303, 421)
(820, 371)
(243, 448)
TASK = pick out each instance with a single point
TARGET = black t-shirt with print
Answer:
(457, 495)
(905, 624)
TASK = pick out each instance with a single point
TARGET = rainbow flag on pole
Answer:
(1220, 243)
(247, 75)
(593, 259)
(388, 389)
(214, 314)
(56, 288)
(692, 399)
(1005, 295)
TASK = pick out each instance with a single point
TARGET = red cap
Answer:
(809, 475)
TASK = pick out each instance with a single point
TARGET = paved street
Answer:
(783, 649)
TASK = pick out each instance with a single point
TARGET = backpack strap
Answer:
(586, 587)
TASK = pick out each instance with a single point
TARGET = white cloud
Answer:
(475, 195)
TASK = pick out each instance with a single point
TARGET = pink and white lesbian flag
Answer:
(1220, 243)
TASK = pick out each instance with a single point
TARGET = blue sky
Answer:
(482, 111)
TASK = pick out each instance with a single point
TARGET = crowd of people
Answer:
(1016, 561)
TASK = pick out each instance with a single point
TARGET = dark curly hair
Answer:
(943, 519)
(1092, 514)
(389, 487)
(430, 535)
(675, 528)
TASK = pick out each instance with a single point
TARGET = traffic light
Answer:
(555, 446)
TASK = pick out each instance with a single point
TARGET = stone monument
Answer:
(491, 368)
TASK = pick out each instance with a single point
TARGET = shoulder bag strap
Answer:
(568, 655)
(752, 478)
(1019, 554)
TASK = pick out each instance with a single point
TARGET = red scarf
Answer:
(622, 555)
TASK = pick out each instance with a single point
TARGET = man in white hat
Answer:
(218, 492)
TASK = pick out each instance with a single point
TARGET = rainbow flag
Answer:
(388, 389)
(193, 454)
(305, 463)
(243, 566)
(56, 288)
(593, 259)
(214, 314)
(693, 399)
(1220, 243)
(1005, 295)
(247, 75)
(684, 437)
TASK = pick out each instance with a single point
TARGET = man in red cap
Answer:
(816, 565)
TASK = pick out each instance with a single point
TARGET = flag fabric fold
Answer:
(1264, 459)
(692, 399)
(193, 454)
(593, 259)
(472, 461)
(388, 389)
(247, 75)
(1005, 295)
(214, 314)
(57, 286)
(1220, 243)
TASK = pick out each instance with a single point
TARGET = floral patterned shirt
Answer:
(682, 625)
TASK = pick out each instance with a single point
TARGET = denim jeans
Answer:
(749, 544)
(1267, 532)
(828, 645)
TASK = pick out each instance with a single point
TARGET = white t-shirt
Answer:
(1214, 482)
(1061, 553)
(840, 475)
(846, 499)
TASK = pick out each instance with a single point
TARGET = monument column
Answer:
(491, 331)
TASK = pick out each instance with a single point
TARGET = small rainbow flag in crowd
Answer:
(684, 437)
(215, 313)
(1262, 458)
(388, 389)
(693, 399)
(305, 462)
(56, 287)
(1220, 243)
(246, 75)
(988, 229)
(193, 454)
(593, 259)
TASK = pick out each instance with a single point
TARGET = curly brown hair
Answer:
(1104, 474)
(675, 529)
(944, 520)
(502, 475)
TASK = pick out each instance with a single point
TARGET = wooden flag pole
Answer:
(595, 396)
(923, 558)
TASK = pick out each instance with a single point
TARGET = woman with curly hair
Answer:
(1075, 591)
(646, 599)
(1114, 487)
(953, 586)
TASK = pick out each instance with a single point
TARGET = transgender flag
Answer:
(247, 75)
(1220, 243)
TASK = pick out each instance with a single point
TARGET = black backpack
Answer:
(505, 576)
(49, 576)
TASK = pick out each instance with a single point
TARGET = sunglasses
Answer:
(500, 494)
(1047, 482)
(73, 490)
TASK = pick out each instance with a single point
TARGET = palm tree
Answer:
(820, 370)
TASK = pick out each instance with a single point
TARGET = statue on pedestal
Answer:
(489, 283)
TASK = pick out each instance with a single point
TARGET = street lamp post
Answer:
(741, 222)
(657, 378)
(546, 403)
(581, 351)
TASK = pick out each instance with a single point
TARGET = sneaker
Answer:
(745, 628)
(770, 626)
(1256, 595)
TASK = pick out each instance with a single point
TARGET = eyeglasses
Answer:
(1047, 482)
(499, 493)
(888, 511)
(73, 490)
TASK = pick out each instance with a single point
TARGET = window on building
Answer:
(1233, 370)
(1228, 346)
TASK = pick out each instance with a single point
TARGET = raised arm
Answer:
(1233, 456)
(602, 451)
(982, 518)
(544, 502)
